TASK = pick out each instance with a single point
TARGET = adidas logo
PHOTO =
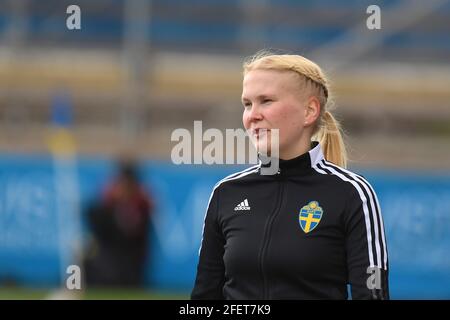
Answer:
(242, 206)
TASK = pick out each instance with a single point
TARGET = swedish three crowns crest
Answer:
(309, 216)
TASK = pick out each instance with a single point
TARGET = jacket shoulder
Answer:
(342, 175)
(237, 176)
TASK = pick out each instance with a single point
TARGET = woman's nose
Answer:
(255, 113)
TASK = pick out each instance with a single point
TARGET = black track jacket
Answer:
(303, 233)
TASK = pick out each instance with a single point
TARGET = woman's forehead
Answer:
(270, 80)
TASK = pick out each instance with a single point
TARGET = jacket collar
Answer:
(301, 163)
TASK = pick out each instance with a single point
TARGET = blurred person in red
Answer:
(120, 226)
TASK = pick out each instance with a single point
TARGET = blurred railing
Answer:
(227, 26)
(191, 70)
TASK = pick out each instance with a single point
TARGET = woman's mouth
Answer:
(260, 132)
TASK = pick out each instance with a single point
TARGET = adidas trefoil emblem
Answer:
(242, 206)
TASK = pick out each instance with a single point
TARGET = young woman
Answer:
(307, 231)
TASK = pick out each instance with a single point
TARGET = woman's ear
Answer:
(312, 110)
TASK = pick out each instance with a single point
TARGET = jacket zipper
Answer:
(266, 238)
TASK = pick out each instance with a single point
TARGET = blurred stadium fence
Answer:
(415, 208)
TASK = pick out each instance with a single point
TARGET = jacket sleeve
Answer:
(210, 277)
(365, 243)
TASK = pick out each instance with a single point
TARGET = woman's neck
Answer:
(298, 149)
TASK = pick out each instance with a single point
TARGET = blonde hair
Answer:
(327, 130)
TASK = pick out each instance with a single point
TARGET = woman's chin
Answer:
(263, 149)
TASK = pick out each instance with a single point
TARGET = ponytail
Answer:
(331, 140)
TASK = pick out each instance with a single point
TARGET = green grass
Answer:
(19, 293)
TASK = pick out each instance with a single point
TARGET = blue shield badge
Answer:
(309, 216)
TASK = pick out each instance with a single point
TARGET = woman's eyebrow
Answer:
(264, 96)
(258, 97)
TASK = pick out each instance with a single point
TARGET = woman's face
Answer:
(273, 100)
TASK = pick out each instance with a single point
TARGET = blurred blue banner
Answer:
(416, 210)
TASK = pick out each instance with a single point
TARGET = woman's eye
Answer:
(266, 101)
(247, 105)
